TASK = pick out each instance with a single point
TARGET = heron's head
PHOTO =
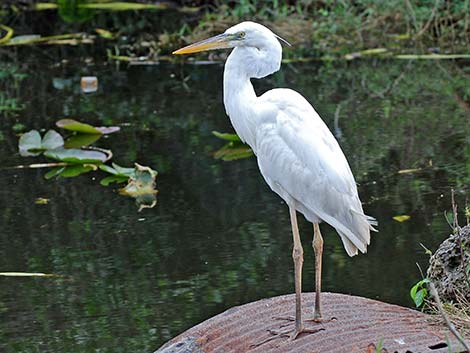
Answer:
(245, 34)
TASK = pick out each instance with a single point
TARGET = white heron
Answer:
(297, 154)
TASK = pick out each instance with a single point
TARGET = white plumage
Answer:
(297, 154)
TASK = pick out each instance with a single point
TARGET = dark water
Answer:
(218, 236)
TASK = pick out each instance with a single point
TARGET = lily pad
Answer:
(69, 171)
(31, 144)
(81, 140)
(75, 155)
(28, 142)
(54, 172)
(76, 126)
(52, 140)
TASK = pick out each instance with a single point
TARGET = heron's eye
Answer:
(241, 35)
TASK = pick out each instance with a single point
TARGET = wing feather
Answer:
(302, 161)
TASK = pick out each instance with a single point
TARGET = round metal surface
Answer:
(358, 325)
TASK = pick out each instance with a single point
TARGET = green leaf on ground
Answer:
(419, 292)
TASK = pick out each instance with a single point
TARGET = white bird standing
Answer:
(297, 154)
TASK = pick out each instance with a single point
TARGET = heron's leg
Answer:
(318, 250)
(298, 257)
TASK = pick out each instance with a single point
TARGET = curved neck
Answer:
(240, 99)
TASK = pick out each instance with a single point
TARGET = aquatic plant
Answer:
(75, 156)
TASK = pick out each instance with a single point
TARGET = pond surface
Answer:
(218, 237)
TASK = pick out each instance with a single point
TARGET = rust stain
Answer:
(359, 327)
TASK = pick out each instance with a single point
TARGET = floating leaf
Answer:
(30, 141)
(74, 125)
(234, 149)
(70, 171)
(18, 127)
(122, 6)
(226, 136)
(54, 172)
(74, 155)
(142, 187)
(27, 274)
(432, 56)
(104, 33)
(51, 140)
(118, 170)
(24, 38)
(44, 6)
(113, 179)
(81, 140)
(127, 171)
(231, 152)
(75, 170)
(41, 201)
(409, 171)
(29, 39)
(402, 218)
(367, 52)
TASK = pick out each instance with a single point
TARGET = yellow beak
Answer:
(221, 41)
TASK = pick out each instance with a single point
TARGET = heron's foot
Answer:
(290, 334)
(316, 319)
(319, 319)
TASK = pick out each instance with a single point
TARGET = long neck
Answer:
(240, 100)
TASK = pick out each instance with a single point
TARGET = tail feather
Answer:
(356, 234)
(351, 249)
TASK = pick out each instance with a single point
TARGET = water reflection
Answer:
(218, 236)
